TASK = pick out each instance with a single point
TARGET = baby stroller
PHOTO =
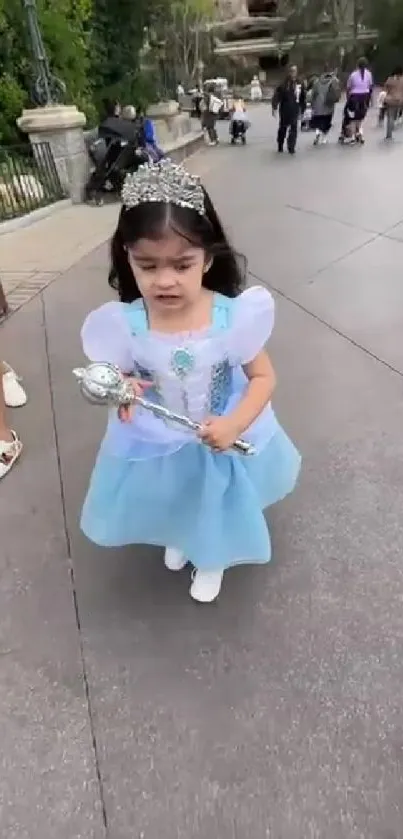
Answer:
(306, 117)
(237, 130)
(348, 117)
(239, 123)
(113, 154)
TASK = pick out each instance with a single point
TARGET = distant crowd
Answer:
(306, 105)
(313, 106)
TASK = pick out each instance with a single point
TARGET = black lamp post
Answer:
(47, 89)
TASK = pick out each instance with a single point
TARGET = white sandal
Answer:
(14, 393)
(9, 454)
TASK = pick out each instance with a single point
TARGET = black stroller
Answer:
(238, 129)
(348, 117)
(115, 152)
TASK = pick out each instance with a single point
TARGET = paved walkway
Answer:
(127, 712)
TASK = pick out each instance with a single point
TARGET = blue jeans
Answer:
(391, 116)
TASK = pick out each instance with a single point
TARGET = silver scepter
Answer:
(104, 384)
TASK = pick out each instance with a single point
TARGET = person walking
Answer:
(212, 107)
(393, 101)
(290, 100)
(325, 95)
(359, 91)
(256, 93)
(197, 99)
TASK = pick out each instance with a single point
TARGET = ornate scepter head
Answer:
(104, 384)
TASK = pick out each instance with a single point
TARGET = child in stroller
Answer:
(239, 122)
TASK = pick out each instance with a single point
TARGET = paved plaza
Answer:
(127, 711)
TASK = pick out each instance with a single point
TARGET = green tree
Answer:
(185, 32)
(65, 29)
(118, 31)
(13, 68)
(387, 18)
(64, 24)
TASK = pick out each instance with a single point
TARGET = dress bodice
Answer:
(197, 373)
(190, 372)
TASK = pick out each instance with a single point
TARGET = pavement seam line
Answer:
(328, 325)
(383, 234)
(85, 677)
(343, 256)
(306, 211)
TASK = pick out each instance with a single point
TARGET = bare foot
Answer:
(6, 435)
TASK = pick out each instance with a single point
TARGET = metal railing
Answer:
(28, 179)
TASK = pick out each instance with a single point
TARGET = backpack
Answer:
(333, 93)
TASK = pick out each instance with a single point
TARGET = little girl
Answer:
(194, 342)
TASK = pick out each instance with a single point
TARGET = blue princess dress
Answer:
(155, 483)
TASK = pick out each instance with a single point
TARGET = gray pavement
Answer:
(125, 710)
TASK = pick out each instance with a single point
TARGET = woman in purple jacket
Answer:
(359, 91)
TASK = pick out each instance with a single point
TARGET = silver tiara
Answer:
(164, 182)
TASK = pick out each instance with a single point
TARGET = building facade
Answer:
(261, 32)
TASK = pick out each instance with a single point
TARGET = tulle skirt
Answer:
(208, 505)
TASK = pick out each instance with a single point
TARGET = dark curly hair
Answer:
(151, 221)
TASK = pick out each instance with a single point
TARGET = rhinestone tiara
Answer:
(163, 182)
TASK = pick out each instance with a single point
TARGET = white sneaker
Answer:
(206, 585)
(174, 559)
(14, 394)
(9, 453)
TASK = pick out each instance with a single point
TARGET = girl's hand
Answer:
(219, 433)
(125, 412)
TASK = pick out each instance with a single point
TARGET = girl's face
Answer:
(168, 272)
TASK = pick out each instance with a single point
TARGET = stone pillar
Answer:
(170, 124)
(62, 127)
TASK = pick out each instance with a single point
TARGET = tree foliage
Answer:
(387, 18)
(93, 46)
(63, 25)
(117, 34)
(185, 35)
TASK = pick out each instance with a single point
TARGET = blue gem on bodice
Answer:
(220, 388)
(182, 362)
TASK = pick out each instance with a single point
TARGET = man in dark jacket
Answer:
(290, 100)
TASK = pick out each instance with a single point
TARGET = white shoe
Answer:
(14, 394)
(324, 140)
(9, 453)
(206, 585)
(174, 559)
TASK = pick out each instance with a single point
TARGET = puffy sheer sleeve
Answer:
(106, 337)
(252, 324)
